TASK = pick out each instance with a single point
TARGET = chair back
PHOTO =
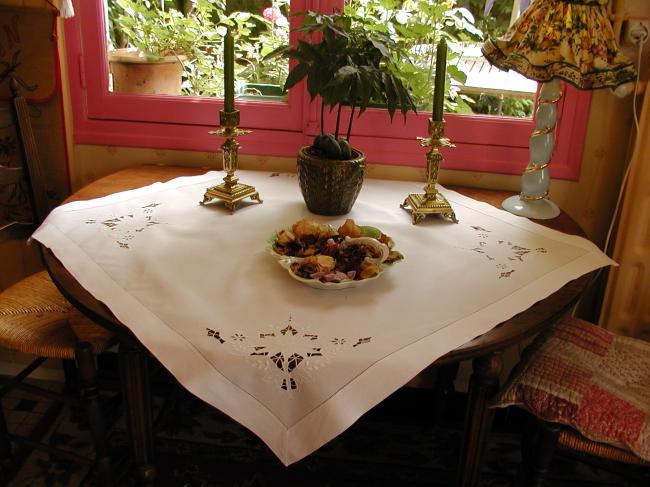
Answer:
(26, 177)
(15, 220)
(27, 142)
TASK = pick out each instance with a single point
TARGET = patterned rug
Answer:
(395, 444)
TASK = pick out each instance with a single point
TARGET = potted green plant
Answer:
(156, 41)
(352, 65)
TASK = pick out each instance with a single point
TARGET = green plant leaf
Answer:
(381, 47)
(308, 51)
(345, 72)
(278, 52)
(390, 94)
(317, 75)
(456, 74)
(365, 89)
(296, 75)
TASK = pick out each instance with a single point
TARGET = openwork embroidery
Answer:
(287, 354)
(126, 227)
(505, 254)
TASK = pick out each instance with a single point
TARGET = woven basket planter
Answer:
(330, 186)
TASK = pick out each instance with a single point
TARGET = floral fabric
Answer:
(567, 39)
(586, 377)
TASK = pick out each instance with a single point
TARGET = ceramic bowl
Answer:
(381, 249)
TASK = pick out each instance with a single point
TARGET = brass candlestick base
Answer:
(231, 191)
(431, 202)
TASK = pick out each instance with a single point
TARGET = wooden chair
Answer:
(541, 441)
(15, 221)
(588, 391)
(36, 319)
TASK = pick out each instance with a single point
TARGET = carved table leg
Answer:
(5, 451)
(538, 452)
(71, 376)
(444, 389)
(89, 392)
(478, 418)
(136, 389)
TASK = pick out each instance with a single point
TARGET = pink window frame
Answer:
(483, 143)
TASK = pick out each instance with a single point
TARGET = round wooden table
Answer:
(484, 351)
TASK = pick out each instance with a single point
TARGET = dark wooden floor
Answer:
(397, 442)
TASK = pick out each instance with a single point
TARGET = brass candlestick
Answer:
(431, 202)
(231, 191)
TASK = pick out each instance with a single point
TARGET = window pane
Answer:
(483, 143)
(185, 37)
(473, 85)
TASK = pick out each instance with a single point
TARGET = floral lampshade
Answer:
(571, 40)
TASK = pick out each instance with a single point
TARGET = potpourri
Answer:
(351, 252)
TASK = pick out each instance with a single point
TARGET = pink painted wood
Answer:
(483, 143)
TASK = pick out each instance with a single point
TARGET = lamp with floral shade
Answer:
(553, 40)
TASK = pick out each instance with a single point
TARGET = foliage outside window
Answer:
(418, 25)
(130, 119)
(195, 28)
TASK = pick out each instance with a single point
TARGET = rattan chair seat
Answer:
(573, 441)
(36, 319)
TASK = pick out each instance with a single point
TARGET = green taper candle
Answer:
(229, 72)
(439, 84)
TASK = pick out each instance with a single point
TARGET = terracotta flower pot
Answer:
(330, 186)
(133, 73)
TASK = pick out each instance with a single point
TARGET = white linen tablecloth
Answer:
(298, 365)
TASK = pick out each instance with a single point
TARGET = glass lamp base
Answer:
(539, 209)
